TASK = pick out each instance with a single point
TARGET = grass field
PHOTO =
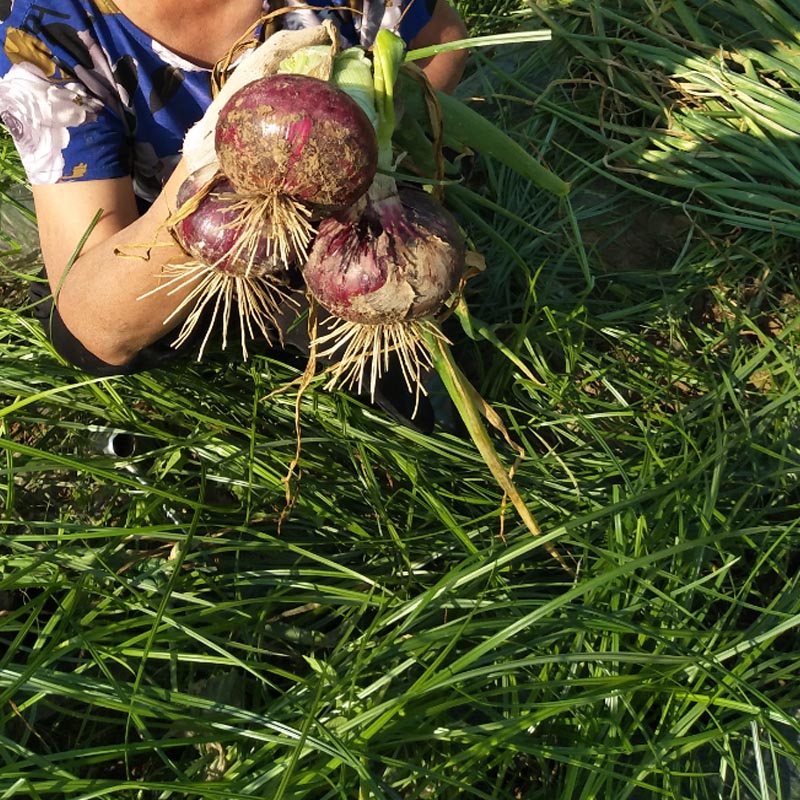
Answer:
(172, 627)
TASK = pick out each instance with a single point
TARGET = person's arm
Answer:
(444, 70)
(97, 297)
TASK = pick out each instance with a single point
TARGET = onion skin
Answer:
(213, 233)
(398, 258)
(299, 136)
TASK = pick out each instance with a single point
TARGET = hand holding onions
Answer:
(311, 162)
(290, 149)
(301, 157)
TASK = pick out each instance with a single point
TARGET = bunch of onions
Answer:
(386, 266)
(291, 149)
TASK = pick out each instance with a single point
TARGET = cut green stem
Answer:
(470, 406)
(388, 54)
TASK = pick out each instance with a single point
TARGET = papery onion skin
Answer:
(399, 258)
(299, 136)
(213, 232)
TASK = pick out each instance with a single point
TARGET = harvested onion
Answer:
(382, 270)
(300, 137)
(215, 234)
(294, 147)
(385, 268)
(398, 259)
(230, 266)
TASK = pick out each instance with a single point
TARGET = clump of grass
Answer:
(170, 628)
(698, 97)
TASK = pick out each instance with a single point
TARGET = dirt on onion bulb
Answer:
(295, 147)
(384, 270)
(231, 264)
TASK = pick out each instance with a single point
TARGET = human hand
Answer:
(263, 60)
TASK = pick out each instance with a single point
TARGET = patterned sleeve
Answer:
(359, 21)
(59, 98)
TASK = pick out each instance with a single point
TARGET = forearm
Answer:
(444, 70)
(100, 298)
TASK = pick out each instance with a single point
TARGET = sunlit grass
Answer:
(172, 626)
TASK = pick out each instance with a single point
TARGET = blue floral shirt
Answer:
(86, 94)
